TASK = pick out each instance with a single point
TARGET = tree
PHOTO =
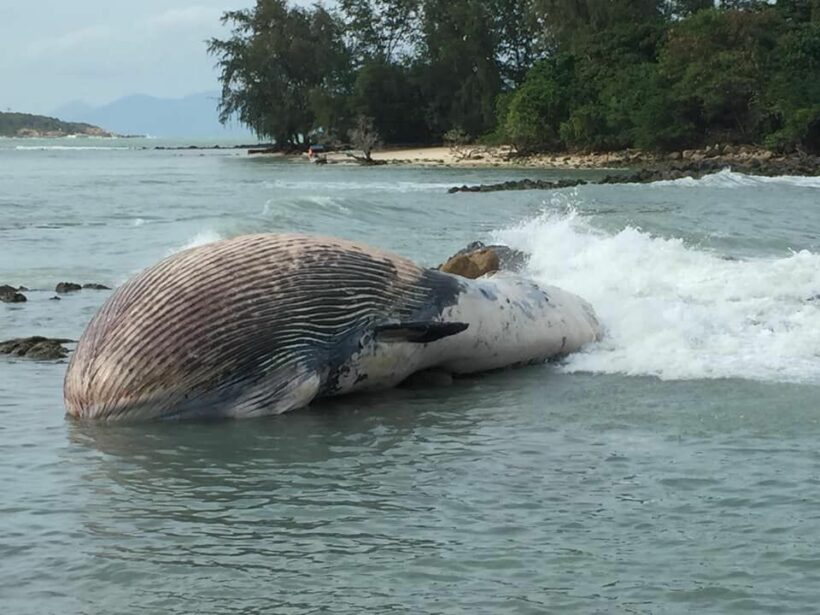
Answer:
(792, 92)
(364, 137)
(569, 23)
(533, 115)
(276, 63)
(517, 37)
(384, 30)
(389, 93)
(461, 77)
(714, 62)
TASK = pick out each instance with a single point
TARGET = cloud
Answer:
(52, 51)
(70, 42)
(191, 16)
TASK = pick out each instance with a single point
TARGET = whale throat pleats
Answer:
(227, 315)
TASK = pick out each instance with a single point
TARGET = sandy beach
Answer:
(740, 156)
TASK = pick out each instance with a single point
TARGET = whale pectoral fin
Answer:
(418, 332)
(288, 389)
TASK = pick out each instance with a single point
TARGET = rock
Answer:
(472, 265)
(96, 286)
(67, 287)
(36, 348)
(9, 294)
(478, 259)
(55, 298)
(521, 184)
(13, 298)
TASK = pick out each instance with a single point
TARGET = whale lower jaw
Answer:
(287, 390)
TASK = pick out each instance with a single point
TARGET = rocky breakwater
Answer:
(642, 167)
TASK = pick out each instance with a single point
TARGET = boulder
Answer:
(472, 265)
(36, 348)
(9, 294)
(67, 287)
(96, 287)
(478, 259)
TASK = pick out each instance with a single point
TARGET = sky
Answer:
(56, 51)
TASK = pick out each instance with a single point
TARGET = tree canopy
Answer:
(540, 74)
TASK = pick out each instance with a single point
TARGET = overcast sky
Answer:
(56, 51)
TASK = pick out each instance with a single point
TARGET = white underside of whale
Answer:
(511, 321)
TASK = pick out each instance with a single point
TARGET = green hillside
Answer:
(28, 125)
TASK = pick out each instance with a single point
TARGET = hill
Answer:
(28, 125)
(191, 116)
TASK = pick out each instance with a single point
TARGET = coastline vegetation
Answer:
(542, 75)
(28, 125)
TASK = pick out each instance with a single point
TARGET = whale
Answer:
(264, 324)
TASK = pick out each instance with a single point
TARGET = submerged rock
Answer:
(36, 348)
(67, 287)
(9, 294)
(70, 287)
(521, 184)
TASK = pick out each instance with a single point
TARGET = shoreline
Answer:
(745, 159)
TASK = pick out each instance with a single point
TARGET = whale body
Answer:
(263, 324)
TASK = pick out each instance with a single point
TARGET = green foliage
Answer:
(389, 93)
(276, 63)
(673, 75)
(384, 30)
(26, 124)
(539, 74)
(801, 130)
(461, 76)
(715, 63)
(534, 113)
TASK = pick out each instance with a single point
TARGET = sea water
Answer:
(671, 468)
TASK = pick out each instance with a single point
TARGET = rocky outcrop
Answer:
(70, 287)
(522, 184)
(41, 126)
(9, 294)
(694, 164)
(67, 287)
(36, 348)
(479, 259)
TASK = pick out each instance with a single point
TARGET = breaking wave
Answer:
(678, 312)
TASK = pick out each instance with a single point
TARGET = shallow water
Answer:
(671, 468)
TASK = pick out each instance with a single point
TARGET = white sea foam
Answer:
(676, 312)
(69, 148)
(731, 179)
(374, 186)
(200, 239)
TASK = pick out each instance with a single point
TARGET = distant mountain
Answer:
(28, 125)
(192, 116)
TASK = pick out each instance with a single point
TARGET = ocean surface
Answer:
(673, 467)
